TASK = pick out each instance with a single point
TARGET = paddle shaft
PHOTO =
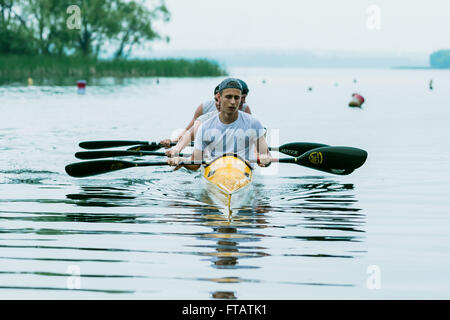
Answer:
(336, 160)
(294, 149)
(103, 144)
(86, 155)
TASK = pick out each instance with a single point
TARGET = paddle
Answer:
(296, 149)
(336, 160)
(292, 149)
(150, 147)
(91, 168)
(103, 144)
(86, 155)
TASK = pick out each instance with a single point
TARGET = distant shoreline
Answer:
(17, 67)
(418, 68)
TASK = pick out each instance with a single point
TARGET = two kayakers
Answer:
(229, 131)
(202, 110)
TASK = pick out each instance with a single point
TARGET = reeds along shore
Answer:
(15, 67)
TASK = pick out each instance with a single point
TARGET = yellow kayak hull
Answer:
(228, 178)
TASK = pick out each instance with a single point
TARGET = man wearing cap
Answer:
(230, 131)
(203, 109)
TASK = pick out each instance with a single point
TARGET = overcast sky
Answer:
(343, 25)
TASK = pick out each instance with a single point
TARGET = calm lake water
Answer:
(382, 232)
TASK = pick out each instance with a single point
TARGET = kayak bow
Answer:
(227, 178)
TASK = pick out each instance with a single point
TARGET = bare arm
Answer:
(194, 129)
(184, 141)
(197, 155)
(261, 146)
(181, 144)
(198, 113)
(166, 142)
(264, 156)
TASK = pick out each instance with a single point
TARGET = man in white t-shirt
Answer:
(190, 134)
(230, 131)
(205, 108)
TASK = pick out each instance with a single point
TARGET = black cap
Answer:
(230, 83)
(216, 90)
(244, 86)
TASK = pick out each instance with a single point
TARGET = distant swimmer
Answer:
(430, 85)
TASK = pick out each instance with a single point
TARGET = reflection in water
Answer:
(325, 206)
(230, 238)
(25, 176)
(223, 295)
(316, 211)
(102, 196)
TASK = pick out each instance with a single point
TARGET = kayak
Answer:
(228, 179)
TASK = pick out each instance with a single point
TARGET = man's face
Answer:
(230, 100)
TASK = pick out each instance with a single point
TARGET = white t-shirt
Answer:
(207, 116)
(215, 138)
(208, 106)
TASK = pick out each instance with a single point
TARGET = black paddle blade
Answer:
(296, 149)
(91, 168)
(103, 144)
(101, 154)
(336, 160)
(86, 155)
(148, 147)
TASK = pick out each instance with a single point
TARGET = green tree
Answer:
(99, 22)
(15, 34)
(118, 23)
(136, 25)
(40, 26)
(48, 20)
